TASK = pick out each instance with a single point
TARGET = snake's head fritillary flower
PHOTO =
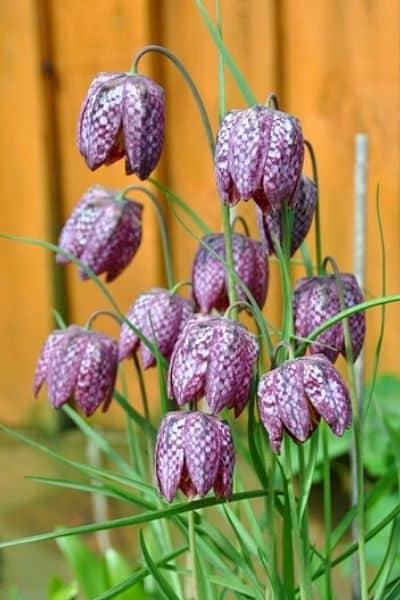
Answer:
(213, 357)
(210, 288)
(156, 313)
(303, 206)
(295, 395)
(80, 364)
(315, 300)
(194, 452)
(104, 231)
(122, 115)
(259, 154)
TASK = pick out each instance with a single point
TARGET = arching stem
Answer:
(318, 248)
(185, 74)
(180, 285)
(242, 221)
(100, 313)
(165, 241)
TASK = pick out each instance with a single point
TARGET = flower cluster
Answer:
(259, 155)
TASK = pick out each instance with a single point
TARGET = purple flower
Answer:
(159, 309)
(315, 300)
(303, 206)
(209, 275)
(194, 452)
(78, 363)
(213, 357)
(104, 231)
(295, 395)
(259, 154)
(122, 115)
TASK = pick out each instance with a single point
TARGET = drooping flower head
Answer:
(315, 300)
(209, 277)
(303, 206)
(213, 357)
(122, 115)
(194, 452)
(104, 231)
(160, 311)
(80, 364)
(259, 154)
(294, 396)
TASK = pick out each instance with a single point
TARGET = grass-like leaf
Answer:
(391, 555)
(165, 587)
(140, 421)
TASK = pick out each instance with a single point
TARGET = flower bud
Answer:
(122, 115)
(194, 452)
(156, 313)
(315, 300)
(80, 364)
(104, 231)
(213, 357)
(294, 396)
(209, 277)
(259, 154)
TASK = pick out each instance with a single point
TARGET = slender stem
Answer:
(242, 221)
(193, 556)
(192, 86)
(100, 313)
(357, 436)
(304, 581)
(145, 405)
(317, 220)
(270, 514)
(165, 241)
(327, 511)
(180, 285)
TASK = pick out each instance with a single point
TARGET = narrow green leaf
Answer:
(393, 590)
(165, 587)
(230, 63)
(235, 585)
(307, 262)
(118, 572)
(58, 590)
(309, 475)
(135, 415)
(88, 568)
(392, 553)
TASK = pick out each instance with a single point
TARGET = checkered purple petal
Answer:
(225, 184)
(202, 444)
(46, 352)
(170, 454)
(269, 413)
(224, 480)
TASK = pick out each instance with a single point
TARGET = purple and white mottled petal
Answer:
(224, 479)
(169, 454)
(291, 401)
(143, 124)
(96, 251)
(110, 349)
(259, 286)
(64, 364)
(268, 410)
(327, 393)
(245, 374)
(202, 450)
(125, 242)
(208, 276)
(226, 187)
(43, 361)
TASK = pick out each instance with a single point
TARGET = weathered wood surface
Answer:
(335, 64)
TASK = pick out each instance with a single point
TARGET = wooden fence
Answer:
(335, 64)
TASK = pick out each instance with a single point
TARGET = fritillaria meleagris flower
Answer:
(78, 363)
(213, 357)
(209, 275)
(122, 115)
(157, 310)
(194, 452)
(259, 154)
(295, 395)
(104, 231)
(303, 206)
(315, 300)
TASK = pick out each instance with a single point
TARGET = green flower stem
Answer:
(100, 313)
(270, 514)
(327, 510)
(357, 437)
(165, 241)
(145, 405)
(193, 555)
(180, 285)
(317, 218)
(192, 86)
(304, 578)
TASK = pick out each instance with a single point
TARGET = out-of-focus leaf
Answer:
(88, 568)
(165, 587)
(58, 590)
(118, 571)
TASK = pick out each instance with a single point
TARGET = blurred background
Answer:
(335, 64)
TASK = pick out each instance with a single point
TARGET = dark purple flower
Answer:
(104, 231)
(259, 154)
(122, 115)
(80, 364)
(213, 357)
(303, 206)
(167, 313)
(295, 395)
(194, 452)
(315, 300)
(209, 278)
